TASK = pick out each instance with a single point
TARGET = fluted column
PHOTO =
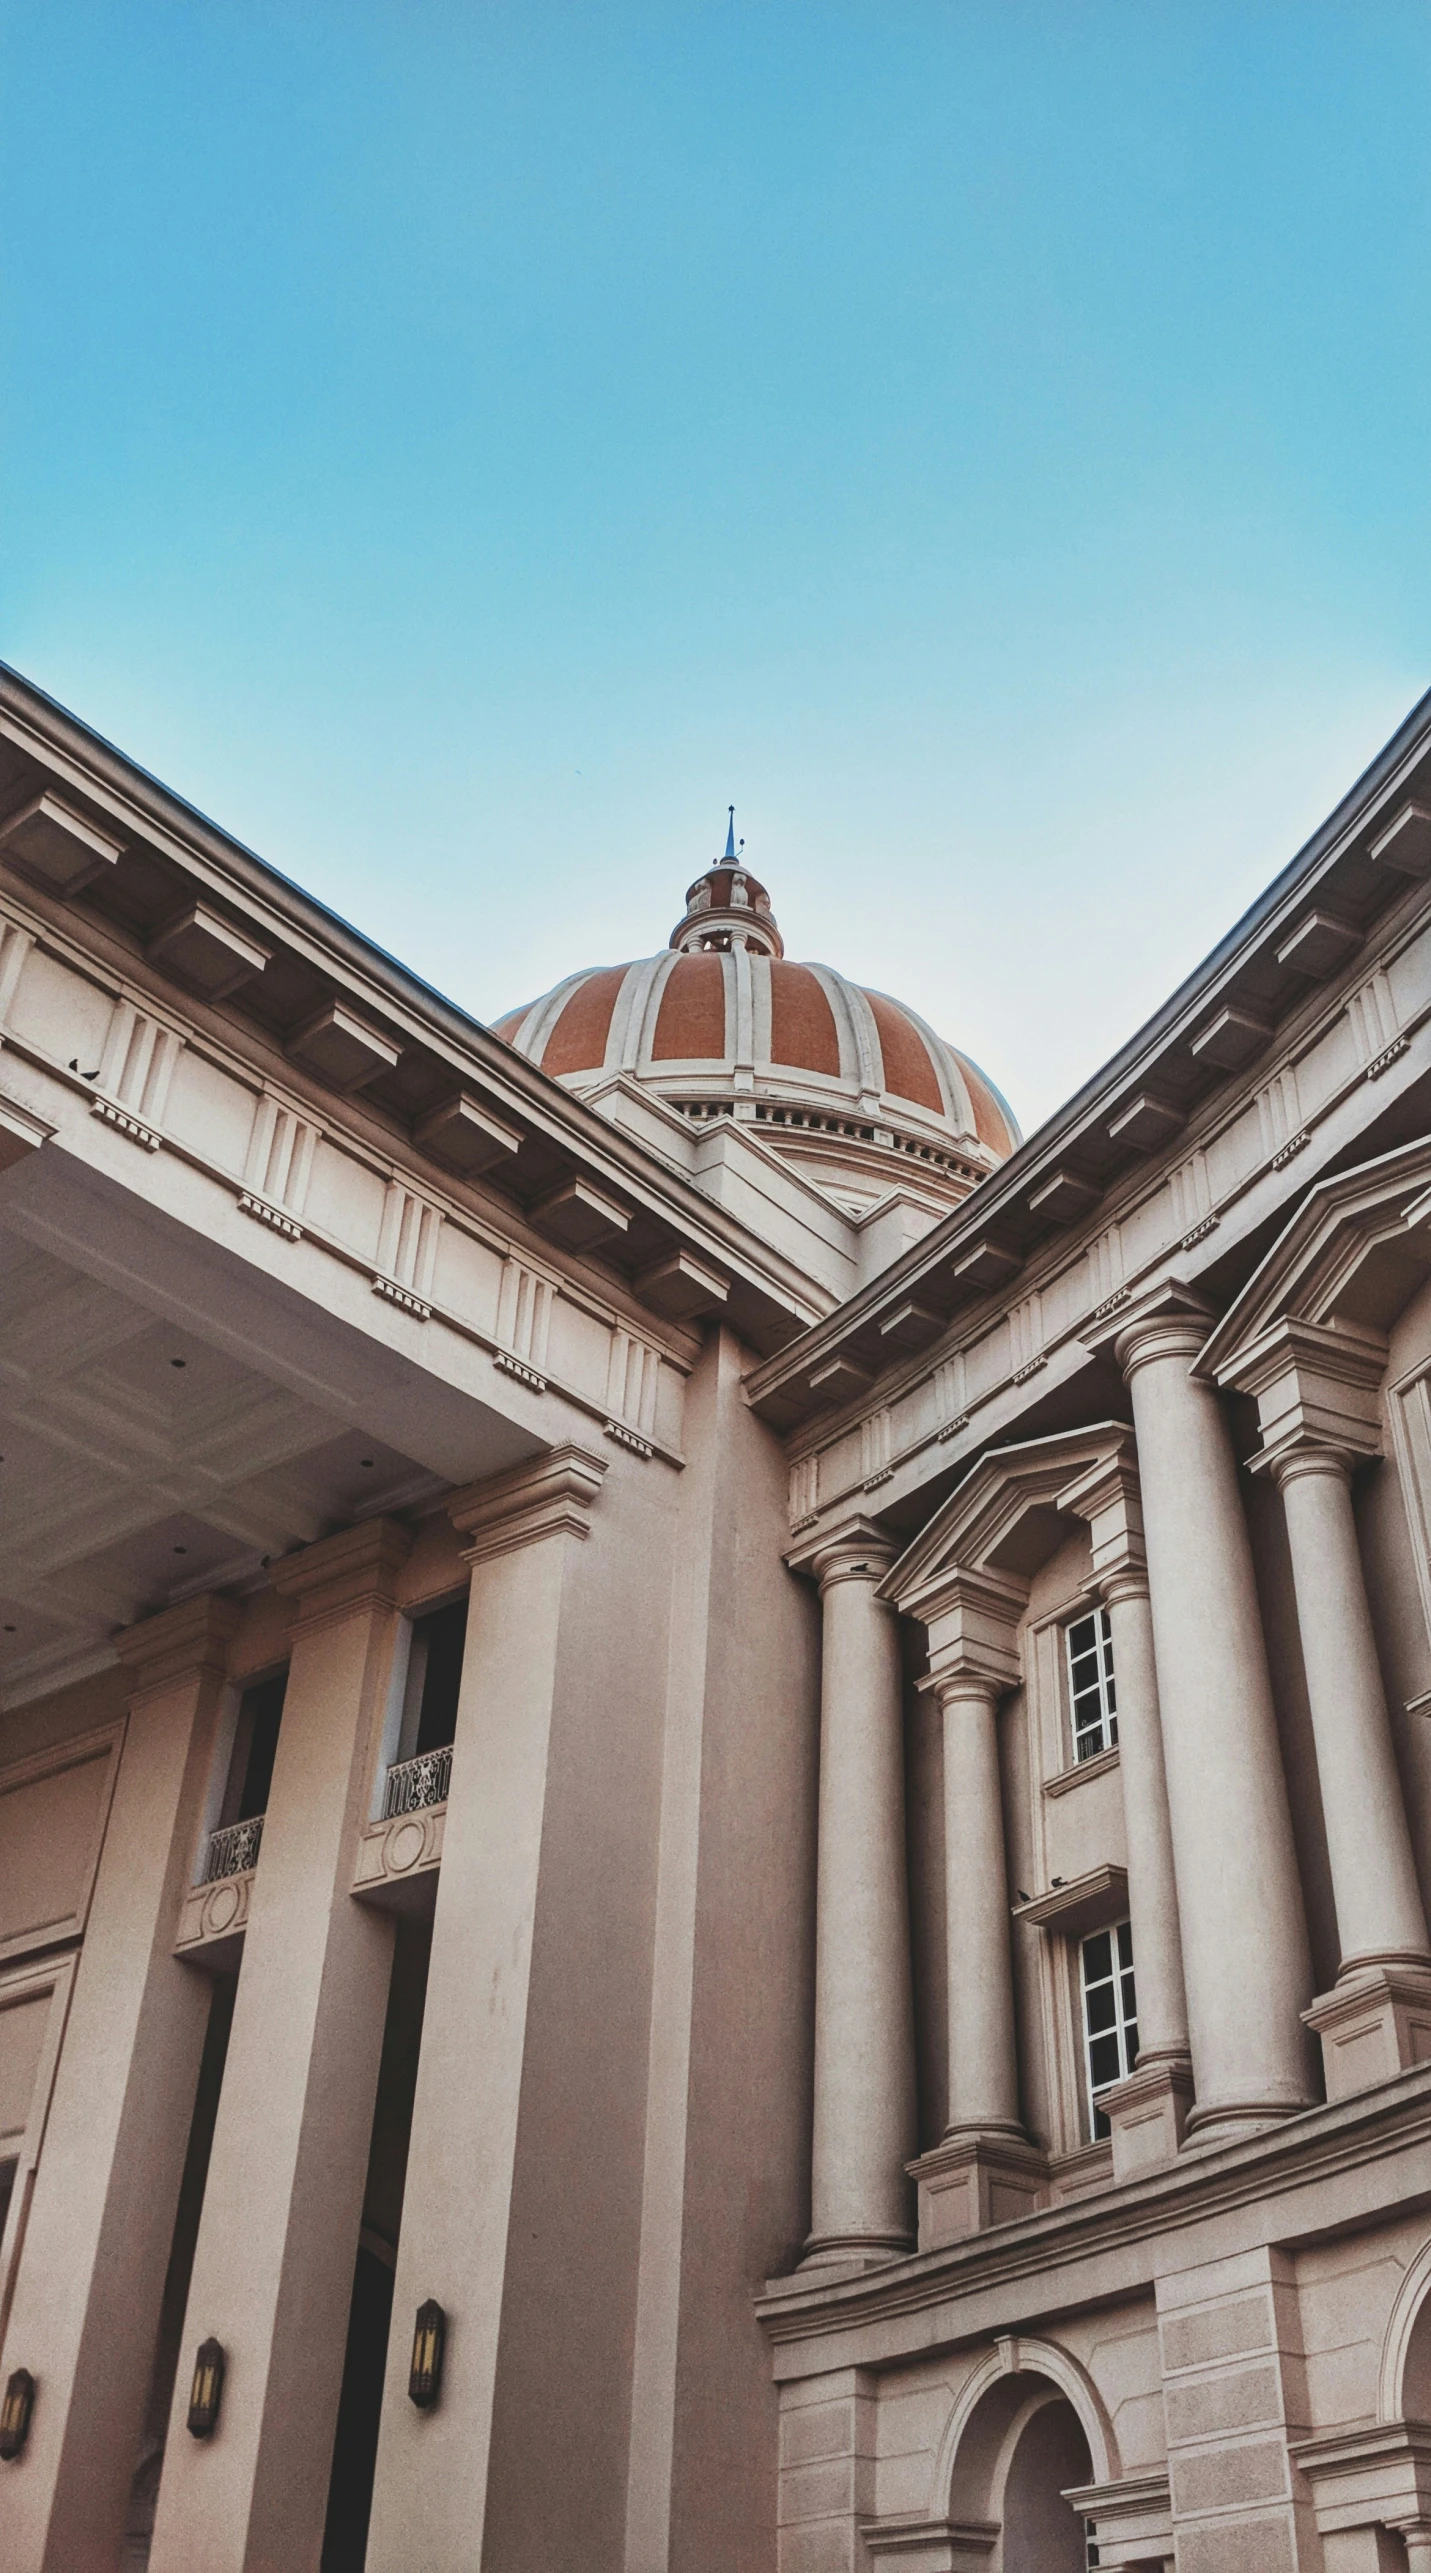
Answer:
(1244, 1937)
(1380, 1916)
(983, 2068)
(864, 2123)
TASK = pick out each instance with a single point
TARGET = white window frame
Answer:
(1092, 1702)
(1121, 1980)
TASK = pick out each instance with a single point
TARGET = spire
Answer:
(729, 859)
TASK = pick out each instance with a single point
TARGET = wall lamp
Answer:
(15, 2411)
(207, 2389)
(429, 2338)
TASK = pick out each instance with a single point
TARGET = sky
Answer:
(462, 449)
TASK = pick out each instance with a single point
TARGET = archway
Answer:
(1049, 2457)
(1021, 2448)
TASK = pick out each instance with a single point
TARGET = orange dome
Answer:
(852, 1085)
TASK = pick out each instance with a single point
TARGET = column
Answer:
(1374, 2023)
(983, 2068)
(1148, 2113)
(985, 2171)
(273, 2267)
(430, 2494)
(1152, 1885)
(1244, 1938)
(864, 2125)
(86, 2309)
(1380, 1917)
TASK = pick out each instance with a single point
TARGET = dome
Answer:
(853, 1088)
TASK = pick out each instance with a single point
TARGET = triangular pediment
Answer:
(1356, 1251)
(1009, 1514)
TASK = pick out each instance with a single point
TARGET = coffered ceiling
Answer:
(139, 1463)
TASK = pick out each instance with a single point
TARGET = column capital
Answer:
(193, 1638)
(355, 1569)
(857, 1552)
(1306, 1454)
(1170, 1321)
(551, 1496)
(1122, 1581)
(963, 1683)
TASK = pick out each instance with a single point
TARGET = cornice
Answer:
(1318, 2144)
(388, 992)
(1257, 945)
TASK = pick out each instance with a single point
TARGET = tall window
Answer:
(1110, 2015)
(1090, 1684)
(255, 1749)
(434, 1676)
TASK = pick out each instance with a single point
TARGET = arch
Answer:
(1400, 2354)
(1014, 2356)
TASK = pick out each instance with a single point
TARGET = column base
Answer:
(1374, 2025)
(1148, 2114)
(1227, 2121)
(974, 2179)
(853, 2251)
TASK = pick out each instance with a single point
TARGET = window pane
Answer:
(1110, 2034)
(1104, 2062)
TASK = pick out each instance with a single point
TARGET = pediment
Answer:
(1352, 1257)
(1009, 1514)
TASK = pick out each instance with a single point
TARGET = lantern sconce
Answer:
(429, 2337)
(206, 2392)
(15, 2411)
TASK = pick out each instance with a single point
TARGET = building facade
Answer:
(715, 1790)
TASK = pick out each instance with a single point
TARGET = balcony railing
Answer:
(230, 1851)
(412, 1784)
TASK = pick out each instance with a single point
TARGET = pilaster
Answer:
(430, 2492)
(273, 2265)
(85, 2315)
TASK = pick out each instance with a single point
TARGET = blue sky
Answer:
(462, 448)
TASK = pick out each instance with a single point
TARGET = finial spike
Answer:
(729, 858)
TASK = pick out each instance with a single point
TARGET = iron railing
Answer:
(230, 1851)
(413, 1784)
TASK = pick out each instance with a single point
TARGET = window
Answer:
(255, 1749)
(1090, 1685)
(434, 1675)
(234, 1846)
(1110, 2015)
